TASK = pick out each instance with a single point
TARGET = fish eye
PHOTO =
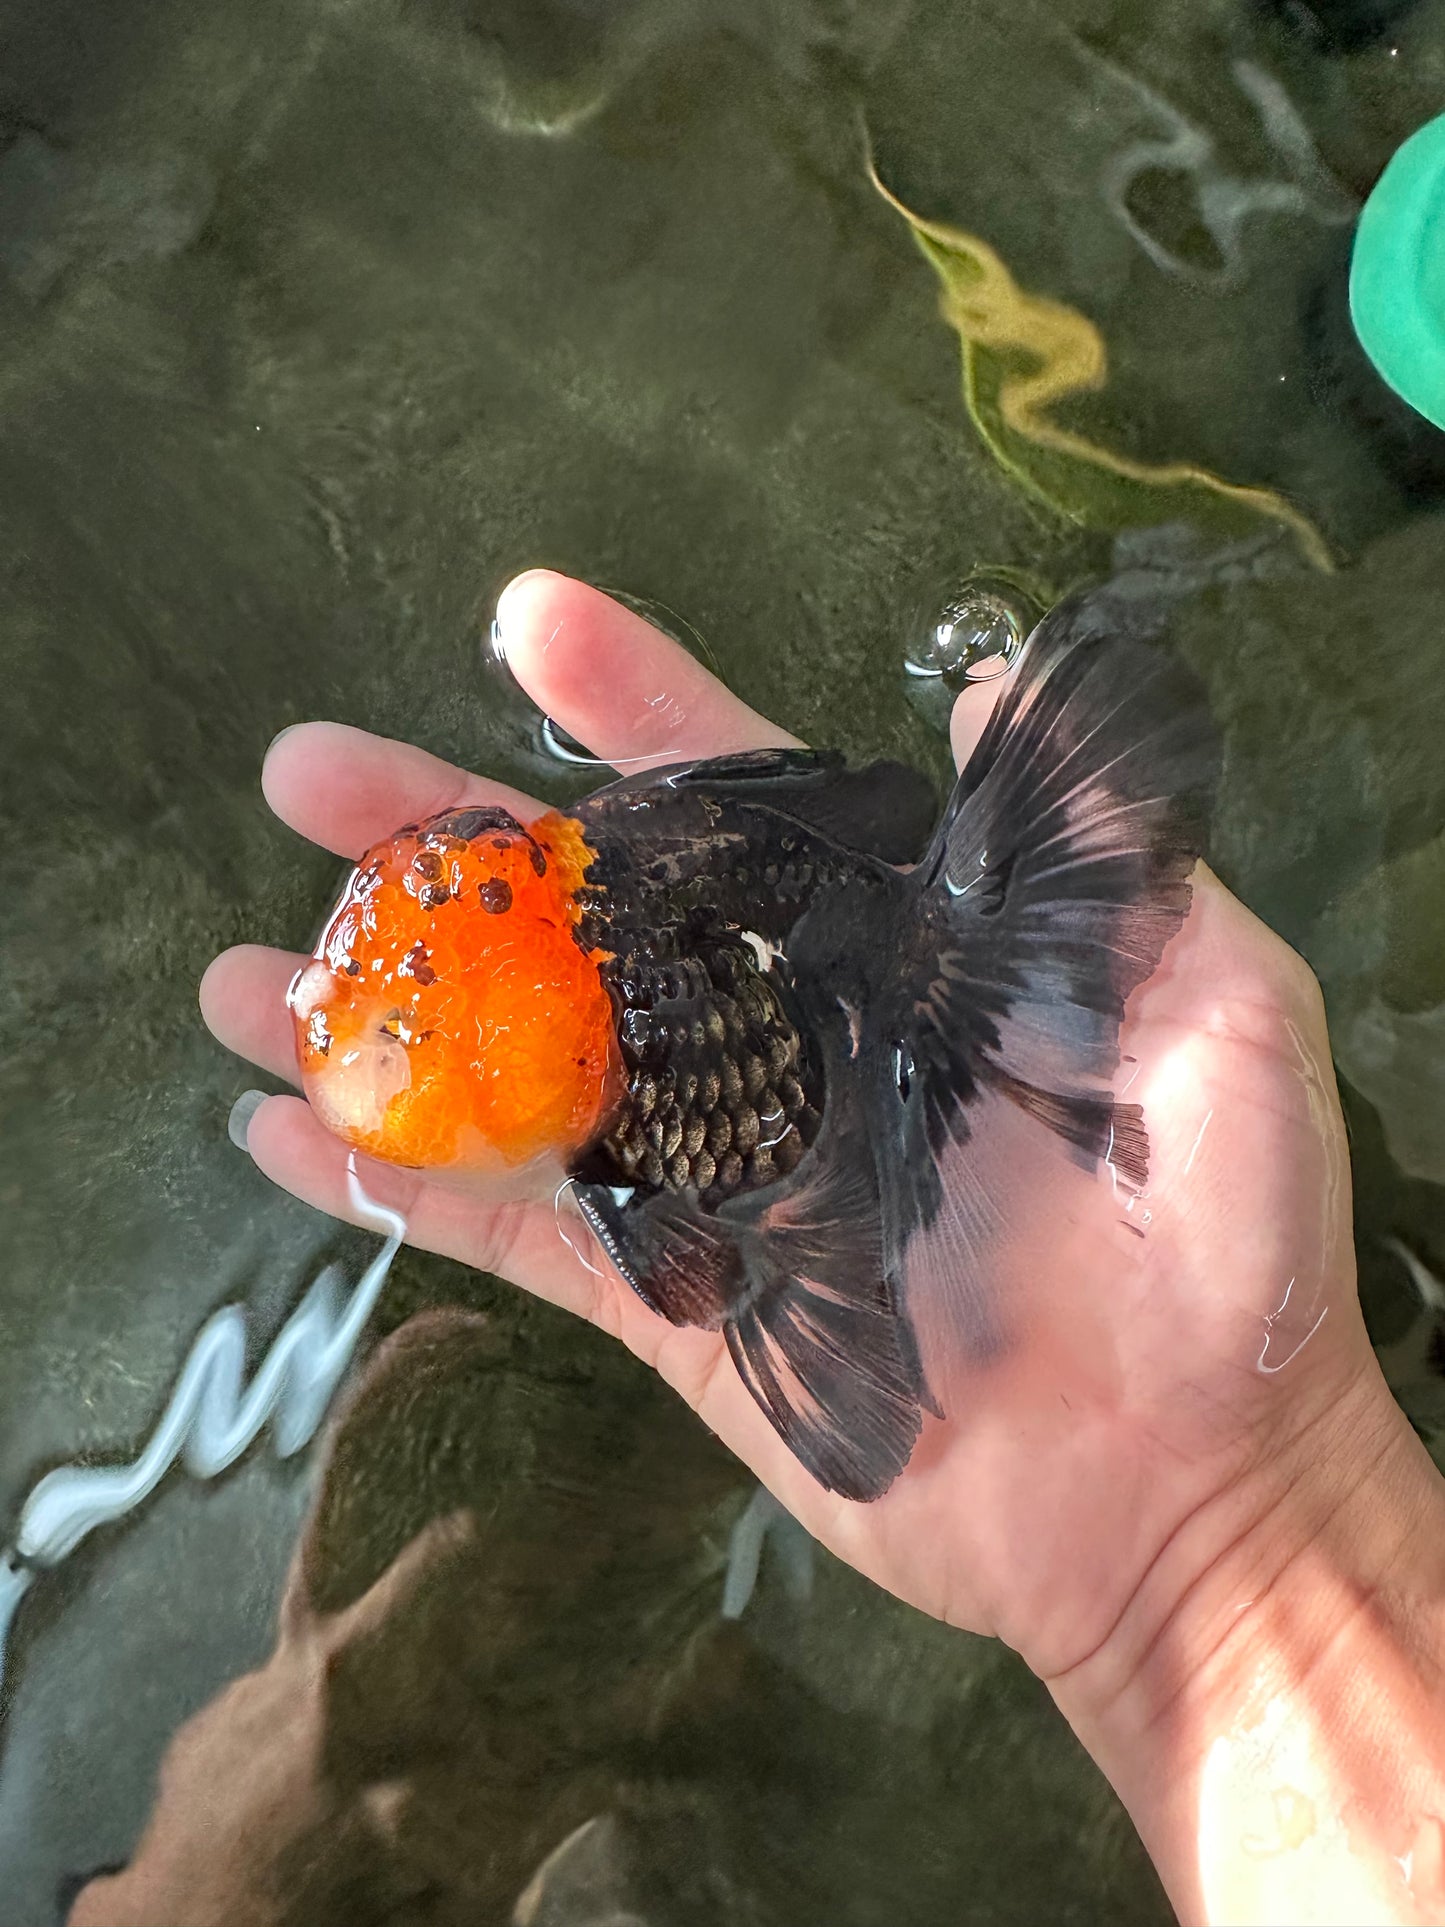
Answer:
(903, 1069)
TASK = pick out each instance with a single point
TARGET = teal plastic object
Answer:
(1397, 273)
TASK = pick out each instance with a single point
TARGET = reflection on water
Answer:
(1024, 355)
(765, 1521)
(1224, 203)
(452, 1661)
(314, 338)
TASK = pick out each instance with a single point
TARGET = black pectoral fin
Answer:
(887, 810)
(682, 1261)
(794, 1276)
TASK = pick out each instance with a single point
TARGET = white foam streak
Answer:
(211, 1418)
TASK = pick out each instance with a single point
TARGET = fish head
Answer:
(452, 1018)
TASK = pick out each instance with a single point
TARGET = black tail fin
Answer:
(1060, 869)
(1057, 877)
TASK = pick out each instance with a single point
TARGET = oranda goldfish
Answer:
(767, 1015)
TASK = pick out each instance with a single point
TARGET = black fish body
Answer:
(826, 1001)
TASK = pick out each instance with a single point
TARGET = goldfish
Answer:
(785, 1029)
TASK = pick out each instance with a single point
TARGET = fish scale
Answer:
(718, 1085)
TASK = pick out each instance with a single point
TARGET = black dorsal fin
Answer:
(886, 809)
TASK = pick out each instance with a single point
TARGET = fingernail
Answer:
(279, 736)
(499, 626)
(239, 1122)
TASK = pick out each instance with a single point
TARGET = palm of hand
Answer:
(1138, 1376)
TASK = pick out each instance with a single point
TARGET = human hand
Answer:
(1143, 1404)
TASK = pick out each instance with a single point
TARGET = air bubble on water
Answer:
(977, 635)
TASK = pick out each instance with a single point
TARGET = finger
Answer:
(347, 789)
(971, 712)
(243, 1001)
(630, 693)
(1231, 955)
(516, 1238)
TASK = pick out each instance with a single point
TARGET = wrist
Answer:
(1270, 1704)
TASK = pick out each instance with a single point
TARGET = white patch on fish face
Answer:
(766, 952)
(350, 1093)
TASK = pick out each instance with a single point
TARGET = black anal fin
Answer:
(795, 1278)
(837, 1373)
